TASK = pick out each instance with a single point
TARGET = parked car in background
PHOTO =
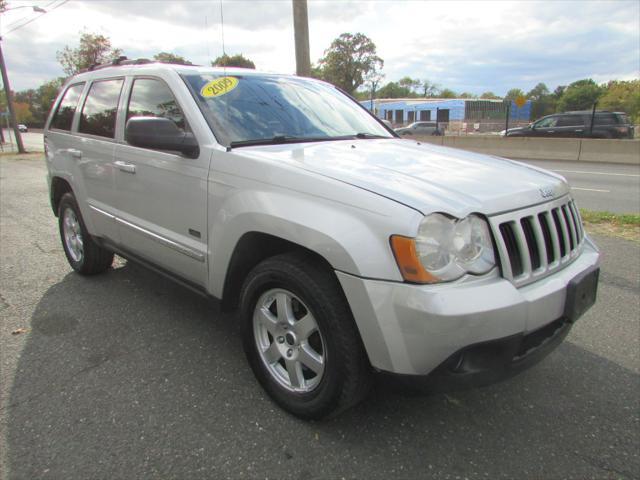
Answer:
(578, 125)
(420, 128)
(23, 128)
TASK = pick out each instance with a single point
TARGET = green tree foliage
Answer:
(543, 102)
(467, 95)
(513, 94)
(412, 84)
(579, 95)
(238, 60)
(93, 49)
(394, 90)
(428, 89)
(622, 96)
(490, 96)
(166, 57)
(348, 61)
(447, 93)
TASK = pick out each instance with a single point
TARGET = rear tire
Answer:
(337, 374)
(84, 255)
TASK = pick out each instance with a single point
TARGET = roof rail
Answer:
(121, 60)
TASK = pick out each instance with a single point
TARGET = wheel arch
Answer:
(251, 249)
(59, 186)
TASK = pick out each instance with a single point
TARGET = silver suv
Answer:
(347, 250)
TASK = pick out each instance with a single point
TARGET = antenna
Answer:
(224, 53)
(206, 36)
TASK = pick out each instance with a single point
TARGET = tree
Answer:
(393, 90)
(622, 96)
(93, 49)
(490, 96)
(166, 57)
(467, 95)
(40, 100)
(23, 113)
(543, 102)
(238, 60)
(580, 95)
(348, 61)
(428, 89)
(412, 84)
(513, 94)
(447, 93)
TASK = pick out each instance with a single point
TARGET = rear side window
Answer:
(570, 121)
(153, 98)
(63, 118)
(98, 115)
(606, 119)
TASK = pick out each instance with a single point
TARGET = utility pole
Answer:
(301, 34)
(12, 113)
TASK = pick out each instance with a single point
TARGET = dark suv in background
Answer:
(578, 125)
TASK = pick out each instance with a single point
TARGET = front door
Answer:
(162, 194)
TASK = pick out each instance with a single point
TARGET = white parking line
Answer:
(591, 190)
(598, 173)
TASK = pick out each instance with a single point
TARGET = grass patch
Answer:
(625, 226)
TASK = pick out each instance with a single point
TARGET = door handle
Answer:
(579, 130)
(75, 153)
(125, 167)
(551, 131)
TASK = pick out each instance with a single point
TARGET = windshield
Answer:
(255, 109)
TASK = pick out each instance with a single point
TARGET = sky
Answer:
(468, 46)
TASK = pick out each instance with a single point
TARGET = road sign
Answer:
(520, 101)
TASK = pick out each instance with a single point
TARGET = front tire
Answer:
(300, 338)
(84, 255)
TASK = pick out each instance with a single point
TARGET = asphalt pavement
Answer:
(599, 186)
(127, 375)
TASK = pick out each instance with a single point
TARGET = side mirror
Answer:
(160, 133)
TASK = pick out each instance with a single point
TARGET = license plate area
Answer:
(581, 293)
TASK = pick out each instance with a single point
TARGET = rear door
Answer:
(570, 126)
(162, 194)
(95, 144)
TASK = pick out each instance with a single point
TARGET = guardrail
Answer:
(570, 149)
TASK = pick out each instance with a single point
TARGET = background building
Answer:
(455, 114)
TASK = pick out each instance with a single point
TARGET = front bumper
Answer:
(414, 329)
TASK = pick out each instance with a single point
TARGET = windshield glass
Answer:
(243, 109)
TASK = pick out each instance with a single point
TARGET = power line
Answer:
(35, 18)
(16, 22)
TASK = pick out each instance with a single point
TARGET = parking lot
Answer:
(128, 375)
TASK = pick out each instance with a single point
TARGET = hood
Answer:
(425, 177)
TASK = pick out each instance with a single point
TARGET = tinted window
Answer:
(152, 98)
(605, 119)
(547, 122)
(570, 121)
(63, 117)
(99, 112)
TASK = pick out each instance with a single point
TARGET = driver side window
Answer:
(152, 98)
(547, 122)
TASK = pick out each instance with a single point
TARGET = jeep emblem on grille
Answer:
(547, 192)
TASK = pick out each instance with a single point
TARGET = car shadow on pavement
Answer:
(127, 375)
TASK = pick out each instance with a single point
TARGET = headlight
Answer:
(445, 249)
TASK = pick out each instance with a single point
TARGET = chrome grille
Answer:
(537, 241)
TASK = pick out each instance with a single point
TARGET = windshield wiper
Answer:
(278, 139)
(369, 135)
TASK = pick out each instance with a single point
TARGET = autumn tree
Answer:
(348, 61)
(23, 112)
(166, 57)
(622, 96)
(93, 49)
(238, 60)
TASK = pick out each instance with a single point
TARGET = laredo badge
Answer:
(218, 87)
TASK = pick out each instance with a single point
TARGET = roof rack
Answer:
(120, 61)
